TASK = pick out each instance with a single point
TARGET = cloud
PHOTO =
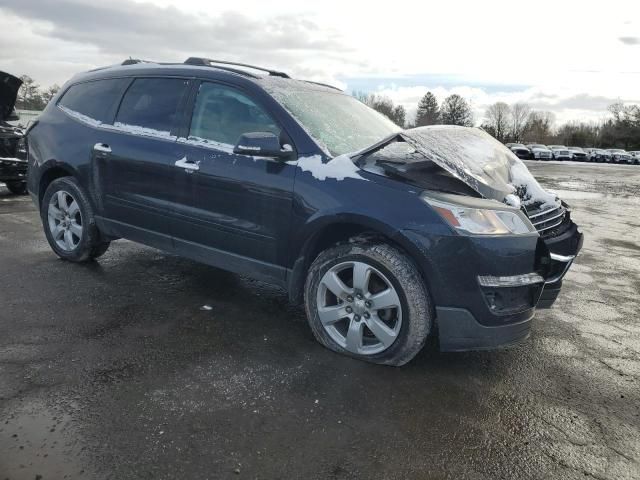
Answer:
(341, 43)
(630, 40)
(121, 28)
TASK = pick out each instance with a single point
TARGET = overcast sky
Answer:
(569, 57)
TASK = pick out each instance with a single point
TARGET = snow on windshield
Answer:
(338, 122)
(479, 160)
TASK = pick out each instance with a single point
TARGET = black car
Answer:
(386, 235)
(520, 150)
(13, 162)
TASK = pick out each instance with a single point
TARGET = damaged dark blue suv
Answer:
(387, 235)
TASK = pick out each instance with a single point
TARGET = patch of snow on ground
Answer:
(339, 168)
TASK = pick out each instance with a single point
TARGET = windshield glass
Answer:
(338, 122)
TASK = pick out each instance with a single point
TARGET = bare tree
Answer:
(498, 120)
(456, 110)
(29, 94)
(49, 93)
(384, 105)
(539, 127)
(519, 116)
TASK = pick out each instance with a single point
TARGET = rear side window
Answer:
(152, 103)
(223, 114)
(97, 100)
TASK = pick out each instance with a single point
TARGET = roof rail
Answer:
(133, 61)
(208, 62)
(323, 85)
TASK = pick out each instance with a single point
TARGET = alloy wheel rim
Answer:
(359, 308)
(65, 220)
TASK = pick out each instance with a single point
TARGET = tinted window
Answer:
(97, 100)
(222, 114)
(152, 103)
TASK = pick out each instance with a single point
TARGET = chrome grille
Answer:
(547, 220)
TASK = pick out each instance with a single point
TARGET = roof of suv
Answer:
(204, 68)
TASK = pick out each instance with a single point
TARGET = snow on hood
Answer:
(476, 158)
(9, 86)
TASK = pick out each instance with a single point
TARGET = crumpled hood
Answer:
(484, 164)
(9, 86)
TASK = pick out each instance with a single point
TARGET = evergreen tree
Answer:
(428, 111)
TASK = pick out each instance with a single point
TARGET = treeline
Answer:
(519, 122)
(508, 123)
(455, 110)
(33, 97)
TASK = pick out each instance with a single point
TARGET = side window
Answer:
(96, 100)
(222, 114)
(152, 103)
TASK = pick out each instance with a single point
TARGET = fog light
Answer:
(511, 281)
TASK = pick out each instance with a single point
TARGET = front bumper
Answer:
(563, 250)
(459, 331)
(12, 169)
(475, 314)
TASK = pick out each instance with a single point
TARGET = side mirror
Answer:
(261, 144)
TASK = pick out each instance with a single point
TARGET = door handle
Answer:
(188, 165)
(102, 147)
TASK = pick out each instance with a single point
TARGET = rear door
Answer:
(135, 160)
(233, 211)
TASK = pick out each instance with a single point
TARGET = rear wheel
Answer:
(69, 223)
(368, 301)
(17, 188)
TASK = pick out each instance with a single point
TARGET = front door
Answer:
(233, 211)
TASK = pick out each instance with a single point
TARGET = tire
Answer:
(389, 272)
(17, 188)
(69, 222)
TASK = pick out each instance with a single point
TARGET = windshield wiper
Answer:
(376, 146)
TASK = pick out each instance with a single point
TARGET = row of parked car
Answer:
(536, 151)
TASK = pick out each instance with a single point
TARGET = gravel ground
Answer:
(145, 365)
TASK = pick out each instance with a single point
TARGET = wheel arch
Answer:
(329, 232)
(51, 171)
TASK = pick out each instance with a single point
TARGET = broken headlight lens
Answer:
(482, 221)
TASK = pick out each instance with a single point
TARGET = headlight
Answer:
(21, 146)
(478, 221)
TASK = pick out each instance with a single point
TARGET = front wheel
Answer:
(368, 301)
(69, 223)
(17, 188)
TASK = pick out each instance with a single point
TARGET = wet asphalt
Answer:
(145, 365)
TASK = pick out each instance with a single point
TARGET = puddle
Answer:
(39, 442)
